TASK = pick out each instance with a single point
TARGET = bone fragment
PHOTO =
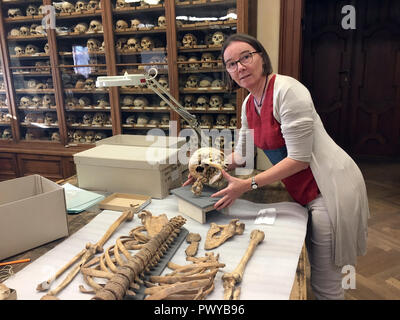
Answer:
(218, 234)
(193, 239)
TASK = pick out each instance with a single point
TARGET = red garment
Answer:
(268, 136)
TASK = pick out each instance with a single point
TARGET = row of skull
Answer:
(134, 44)
(89, 136)
(86, 84)
(32, 30)
(207, 61)
(84, 101)
(35, 84)
(33, 134)
(214, 102)
(49, 118)
(143, 119)
(119, 4)
(122, 25)
(224, 120)
(30, 49)
(97, 119)
(45, 101)
(195, 81)
(189, 40)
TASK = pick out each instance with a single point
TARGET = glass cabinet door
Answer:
(141, 44)
(202, 26)
(81, 58)
(31, 71)
(5, 114)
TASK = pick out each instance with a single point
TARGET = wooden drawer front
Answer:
(8, 166)
(47, 166)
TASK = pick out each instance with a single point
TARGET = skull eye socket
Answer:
(199, 169)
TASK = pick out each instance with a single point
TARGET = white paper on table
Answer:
(266, 216)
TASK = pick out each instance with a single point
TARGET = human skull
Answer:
(37, 101)
(99, 119)
(132, 44)
(206, 120)
(47, 101)
(192, 81)
(181, 58)
(121, 25)
(188, 101)
(189, 40)
(70, 118)
(46, 48)
(24, 31)
(93, 44)
(31, 10)
(205, 82)
(216, 101)
(233, 121)
(164, 119)
(31, 49)
(19, 51)
(93, 5)
(205, 166)
(25, 102)
(81, 27)
(31, 83)
(147, 43)
(122, 4)
(89, 136)
(7, 133)
(222, 120)
(217, 83)
(95, 26)
(90, 84)
(154, 121)
(207, 57)
(40, 30)
(121, 44)
(135, 23)
(71, 102)
(87, 118)
(14, 32)
(80, 6)
(102, 103)
(218, 38)
(161, 21)
(55, 136)
(163, 81)
(131, 119)
(141, 102)
(14, 12)
(142, 119)
(128, 101)
(99, 135)
(79, 136)
(84, 101)
(67, 7)
(193, 65)
(50, 118)
(202, 102)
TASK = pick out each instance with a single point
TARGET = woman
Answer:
(316, 172)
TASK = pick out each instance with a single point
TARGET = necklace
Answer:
(262, 97)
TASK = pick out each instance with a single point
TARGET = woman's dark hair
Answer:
(241, 37)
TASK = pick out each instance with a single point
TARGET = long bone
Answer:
(233, 278)
(85, 255)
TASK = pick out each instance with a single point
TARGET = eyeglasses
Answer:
(245, 59)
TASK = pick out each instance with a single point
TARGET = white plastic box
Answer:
(143, 141)
(129, 169)
(32, 213)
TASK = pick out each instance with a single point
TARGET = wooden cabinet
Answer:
(52, 53)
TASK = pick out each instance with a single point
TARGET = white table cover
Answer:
(269, 273)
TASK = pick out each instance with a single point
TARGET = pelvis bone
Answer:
(218, 234)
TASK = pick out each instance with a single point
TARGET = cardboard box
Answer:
(144, 141)
(129, 169)
(32, 213)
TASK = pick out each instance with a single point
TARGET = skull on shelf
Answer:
(127, 101)
(80, 6)
(31, 83)
(163, 81)
(50, 118)
(81, 27)
(222, 120)
(205, 82)
(71, 102)
(218, 38)
(102, 103)
(133, 45)
(142, 119)
(217, 83)
(24, 31)
(121, 44)
(31, 49)
(99, 135)
(37, 101)
(31, 10)
(165, 119)
(135, 23)
(99, 119)
(89, 136)
(140, 102)
(122, 4)
(216, 101)
(46, 48)
(80, 84)
(131, 119)
(202, 102)
(233, 121)
(39, 30)
(90, 84)
(182, 66)
(47, 101)
(154, 121)
(14, 12)
(93, 44)
(70, 135)
(79, 136)
(121, 25)
(67, 7)
(87, 118)
(93, 5)
(147, 43)
(70, 118)
(7, 133)
(55, 136)
(188, 101)
(193, 65)
(192, 81)
(25, 102)
(84, 101)
(189, 40)
(161, 21)
(95, 26)
(206, 120)
(207, 57)
(14, 32)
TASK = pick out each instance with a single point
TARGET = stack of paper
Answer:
(79, 200)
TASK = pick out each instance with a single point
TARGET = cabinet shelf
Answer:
(89, 127)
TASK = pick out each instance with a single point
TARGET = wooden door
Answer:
(353, 74)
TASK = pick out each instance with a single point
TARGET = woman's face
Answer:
(246, 76)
